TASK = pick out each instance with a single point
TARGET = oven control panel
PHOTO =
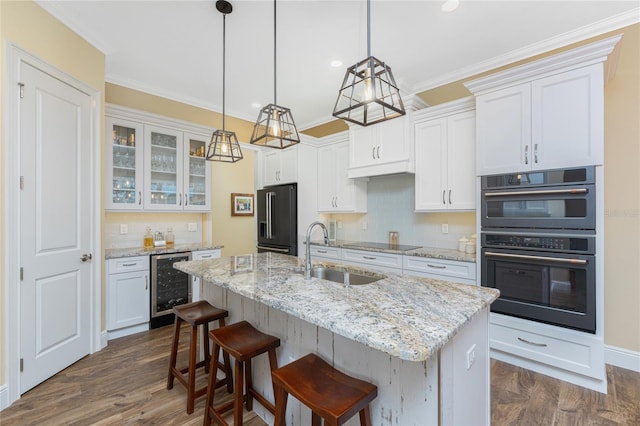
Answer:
(577, 244)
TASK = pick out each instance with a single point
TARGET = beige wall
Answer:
(34, 30)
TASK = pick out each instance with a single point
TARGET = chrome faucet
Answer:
(307, 265)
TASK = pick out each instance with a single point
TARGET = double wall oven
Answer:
(538, 245)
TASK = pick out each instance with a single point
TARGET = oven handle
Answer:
(547, 258)
(541, 192)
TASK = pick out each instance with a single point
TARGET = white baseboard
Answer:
(622, 358)
(104, 339)
(4, 396)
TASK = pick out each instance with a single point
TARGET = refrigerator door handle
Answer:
(270, 196)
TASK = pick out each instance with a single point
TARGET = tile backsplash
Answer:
(390, 207)
(137, 223)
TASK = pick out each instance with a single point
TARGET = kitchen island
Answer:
(423, 342)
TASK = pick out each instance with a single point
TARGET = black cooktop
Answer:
(381, 246)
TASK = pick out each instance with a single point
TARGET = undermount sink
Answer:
(343, 277)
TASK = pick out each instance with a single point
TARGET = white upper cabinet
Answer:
(445, 158)
(381, 149)
(153, 167)
(546, 114)
(124, 176)
(280, 166)
(336, 192)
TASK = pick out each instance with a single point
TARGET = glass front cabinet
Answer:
(157, 168)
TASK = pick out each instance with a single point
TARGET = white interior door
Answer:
(55, 229)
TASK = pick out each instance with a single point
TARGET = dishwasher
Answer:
(169, 287)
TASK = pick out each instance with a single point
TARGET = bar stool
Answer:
(242, 341)
(195, 314)
(330, 394)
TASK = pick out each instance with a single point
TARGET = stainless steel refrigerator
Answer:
(278, 219)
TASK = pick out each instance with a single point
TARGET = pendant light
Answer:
(224, 145)
(369, 93)
(275, 127)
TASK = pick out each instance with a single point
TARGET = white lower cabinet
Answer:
(440, 269)
(378, 261)
(196, 285)
(550, 350)
(128, 288)
(325, 253)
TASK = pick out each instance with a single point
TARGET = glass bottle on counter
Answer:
(148, 239)
(170, 238)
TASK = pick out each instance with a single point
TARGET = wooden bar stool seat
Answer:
(329, 393)
(196, 314)
(243, 342)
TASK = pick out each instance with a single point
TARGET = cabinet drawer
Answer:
(546, 344)
(440, 268)
(325, 252)
(127, 264)
(205, 254)
(372, 258)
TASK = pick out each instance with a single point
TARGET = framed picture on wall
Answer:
(241, 204)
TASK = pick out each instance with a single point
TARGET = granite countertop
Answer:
(431, 252)
(141, 251)
(404, 316)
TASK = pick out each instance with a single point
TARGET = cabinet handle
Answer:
(526, 154)
(336, 201)
(535, 153)
(436, 266)
(443, 192)
(186, 199)
(540, 345)
(449, 196)
(146, 282)
(369, 257)
(128, 264)
(139, 198)
(373, 152)
(378, 152)
(321, 251)
(206, 256)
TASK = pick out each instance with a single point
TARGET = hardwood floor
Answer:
(125, 383)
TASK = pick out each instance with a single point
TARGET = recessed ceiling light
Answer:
(255, 105)
(336, 63)
(450, 5)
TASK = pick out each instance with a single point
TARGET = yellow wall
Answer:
(34, 30)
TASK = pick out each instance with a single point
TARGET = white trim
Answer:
(15, 57)
(4, 396)
(443, 110)
(622, 358)
(579, 57)
(592, 30)
(104, 338)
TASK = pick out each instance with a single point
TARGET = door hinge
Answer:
(21, 90)
(21, 273)
(21, 182)
(21, 365)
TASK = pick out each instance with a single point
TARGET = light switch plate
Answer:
(124, 228)
(445, 228)
(193, 227)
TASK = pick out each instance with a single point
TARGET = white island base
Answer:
(444, 389)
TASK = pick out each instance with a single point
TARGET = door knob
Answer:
(86, 257)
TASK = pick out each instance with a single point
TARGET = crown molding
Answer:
(445, 109)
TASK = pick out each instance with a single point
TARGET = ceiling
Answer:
(174, 48)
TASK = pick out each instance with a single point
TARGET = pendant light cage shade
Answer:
(224, 147)
(368, 94)
(275, 128)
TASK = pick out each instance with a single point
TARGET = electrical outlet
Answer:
(364, 226)
(339, 224)
(471, 356)
(193, 227)
(445, 228)
(124, 228)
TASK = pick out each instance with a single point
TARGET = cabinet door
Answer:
(127, 299)
(288, 165)
(345, 188)
(124, 164)
(326, 179)
(503, 126)
(567, 114)
(431, 160)
(362, 146)
(461, 161)
(197, 174)
(271, 169)
(196, 284)
(163, 169)
(391, 141)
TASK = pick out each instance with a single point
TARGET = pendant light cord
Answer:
(224, 65)
(275, 80)
(368, 28)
